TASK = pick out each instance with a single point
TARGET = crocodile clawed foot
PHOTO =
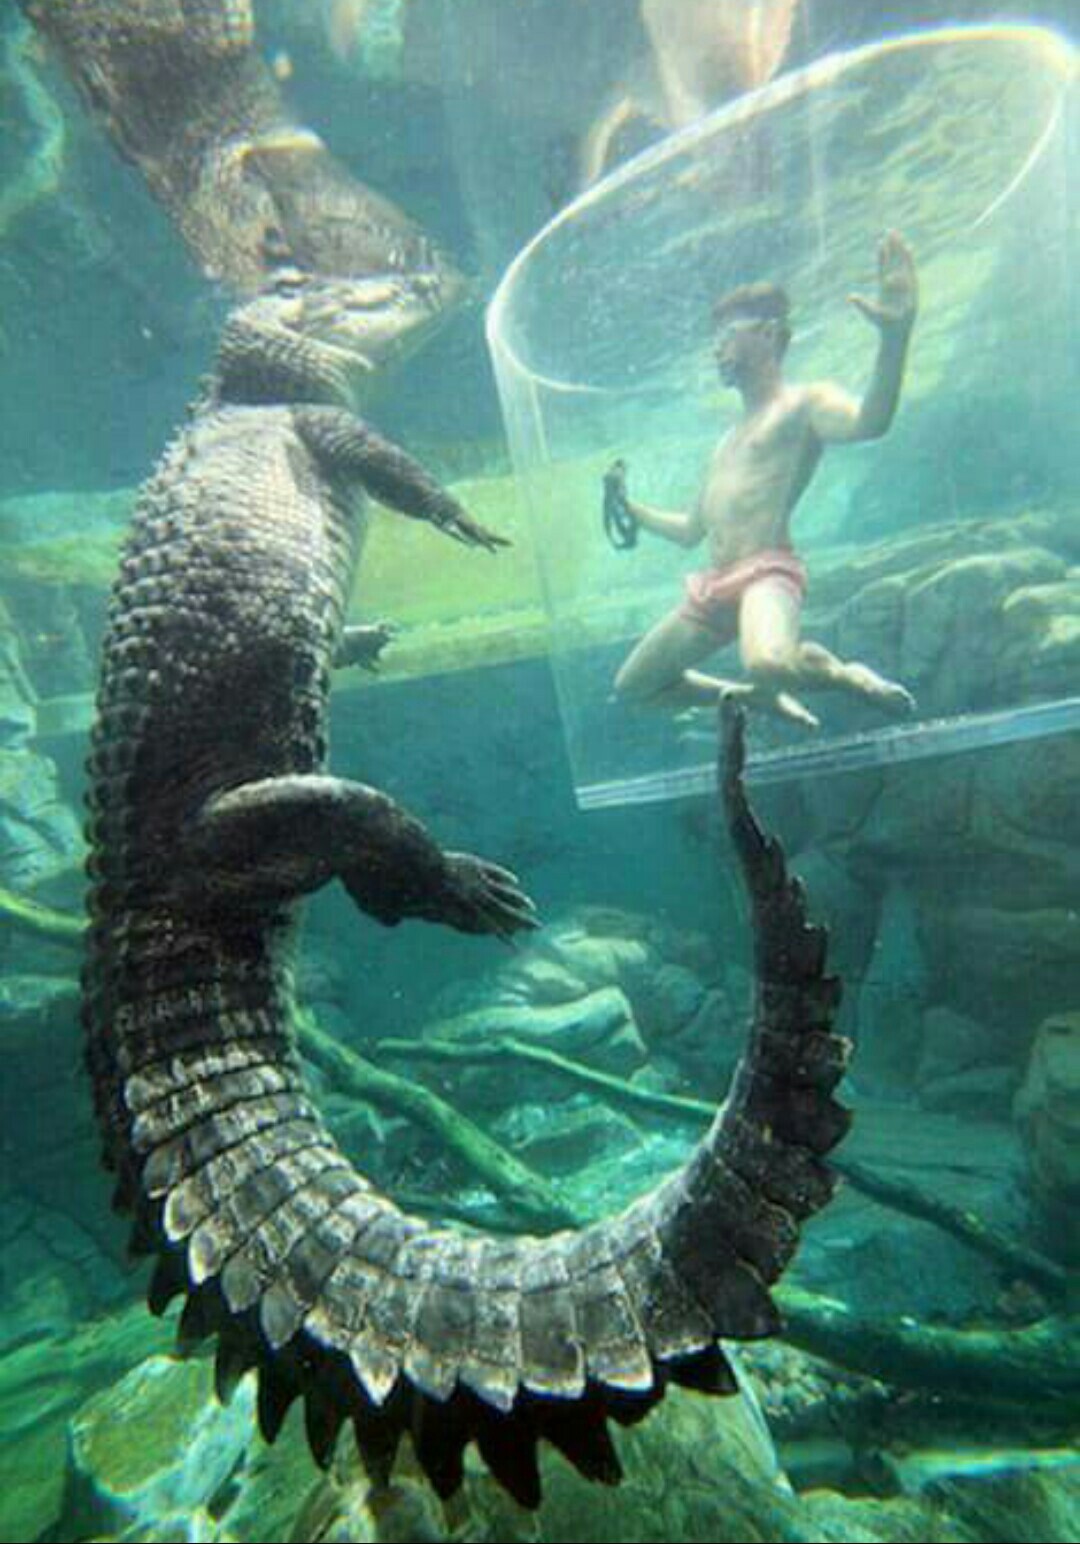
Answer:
(482, 897)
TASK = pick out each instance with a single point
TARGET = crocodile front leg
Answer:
(345, 446)
(277, 839)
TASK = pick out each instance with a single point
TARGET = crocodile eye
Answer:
(289, 282)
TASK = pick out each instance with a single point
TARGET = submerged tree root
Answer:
(1026, 1263)
(530, 1197)
(1037, 1365)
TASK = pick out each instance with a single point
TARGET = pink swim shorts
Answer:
(713, 594)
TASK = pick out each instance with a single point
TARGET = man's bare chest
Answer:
(769, 449)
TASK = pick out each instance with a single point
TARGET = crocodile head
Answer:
(366, 322)
(371, 280)
(312, 337)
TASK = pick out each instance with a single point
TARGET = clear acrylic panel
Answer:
(601, 342)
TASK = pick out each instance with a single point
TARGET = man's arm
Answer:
(837, 417)
(685, 529)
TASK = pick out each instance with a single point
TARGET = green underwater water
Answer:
(927, 1384)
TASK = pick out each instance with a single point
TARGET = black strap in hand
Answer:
(620, 526)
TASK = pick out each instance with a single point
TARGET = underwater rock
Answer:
(1040, 639)
(838, 1519)
(17, 697)
(598, 1029)
(1031, 796)
(541, 981)
(39, 834)
(155, 1446)
(667, 1003)
(278, 1496)
(705, 1051)
(965, 1065)
(43, 1382)
(892, 997)
(661, 972)
(53, 1273)
(699, 1471)
(916, 554)
(870, 625)
(805, 1399)
(602, 960)
(1001, 823)
(34, 1005)
(155, 1455)
(953, 624)
(1048, 1109)
(65, 537)
(1009, 969)
(993, 1493)
(885, 1263)
(566, 1138)
(983, 1092)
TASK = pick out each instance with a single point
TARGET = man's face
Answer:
(743, 346)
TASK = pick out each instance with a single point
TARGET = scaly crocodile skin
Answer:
(211, 816)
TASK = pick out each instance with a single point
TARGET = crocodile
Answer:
(211, 817)
(185, 95)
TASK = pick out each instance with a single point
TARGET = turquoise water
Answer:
(924, 1384)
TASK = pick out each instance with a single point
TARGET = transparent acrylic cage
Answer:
(600, 338)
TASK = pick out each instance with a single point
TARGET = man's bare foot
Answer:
(889, 696)
(784, 705)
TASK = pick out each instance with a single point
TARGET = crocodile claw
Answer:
(482, 897)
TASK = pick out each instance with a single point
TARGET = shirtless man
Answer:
(758, 473)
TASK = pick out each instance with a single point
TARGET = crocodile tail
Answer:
(372, 1317)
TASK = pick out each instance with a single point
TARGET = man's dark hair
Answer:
(763, 302)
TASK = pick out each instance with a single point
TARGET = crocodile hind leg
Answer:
(363, 645)
(274, 840)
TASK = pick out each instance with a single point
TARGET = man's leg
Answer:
(658, 672)
(775, 657)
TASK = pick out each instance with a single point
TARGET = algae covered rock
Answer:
(998, 966)
(540, 981)
(1040, 638)
(954, 622)
(598, 1028)
(155, 1446)
(47, 1372)
(1048, 1108)
(600, 959)
(698, 1469)
(154, 1457)
(574, 1135)
(965, 1064)
(39, 833)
